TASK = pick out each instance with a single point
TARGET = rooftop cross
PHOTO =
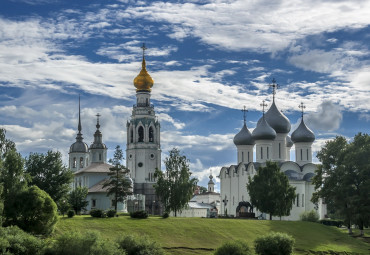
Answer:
(274, 87)
(244, 110)
(97, 124)
(79, 115)
(302, 106)
(263, 106)
(144, 48)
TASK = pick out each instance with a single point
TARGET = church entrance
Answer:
(245, 210)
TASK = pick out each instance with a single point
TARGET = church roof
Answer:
(79, 146)
(303, 134)
(263, 131)
(98, 167)
(289, 142)
(244, 137)
(196, 205)
(143, 82)
(277, 120)
(98, 188)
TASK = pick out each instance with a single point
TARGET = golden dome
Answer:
(143, 82)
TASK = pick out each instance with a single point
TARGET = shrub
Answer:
(311, 216)
(111, 213)
(165, 215)
(97, 213)
(134, 245)
(37, 212)
(71, 213)
(88, 243)
(274, 244)
(237, 247)
(139, 215)
(16, 241)
(328, 222)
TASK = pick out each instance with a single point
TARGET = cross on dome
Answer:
(274, 87)
(302, 106)
(244, 110)
(263, 106)
(97, 123)
(144, 48)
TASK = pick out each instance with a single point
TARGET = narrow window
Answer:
(74, 162)
(87, 162)
(279, 150)
(261, 153)
(151, 136)
(141, 134)
(302, 200)
(225, 174)
(99, 156)
(248, 156)
(297, 200)
(243, 198)
(147, 102)
(149, 177)
(301, 154)
(93, 203)
(131, 136)
(81, 162)
(307, 154)
(233, 200)
(242, 156)
(268, 153)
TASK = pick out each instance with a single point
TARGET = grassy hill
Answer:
(201, 236)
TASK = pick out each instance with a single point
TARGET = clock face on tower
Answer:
(140, 164)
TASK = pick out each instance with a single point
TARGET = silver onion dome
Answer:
(303, 134)
(277, 120)
(79, 146)
(263, 131)
(289, 142)
(244, 137)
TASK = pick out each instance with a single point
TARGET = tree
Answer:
(36, 212)
(49, 174)
(270, 191)
(5, 144)
(343, 179)
(119, 185)
(175, 187)
(77, 199)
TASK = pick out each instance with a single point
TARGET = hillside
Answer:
(201, 236)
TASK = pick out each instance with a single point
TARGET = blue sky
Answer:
(208, 59)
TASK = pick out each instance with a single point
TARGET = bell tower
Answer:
(143, 153)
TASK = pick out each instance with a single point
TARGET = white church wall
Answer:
(103, 202)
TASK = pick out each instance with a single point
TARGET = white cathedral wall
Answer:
(280, 139)
(303, 153)
(103, 202)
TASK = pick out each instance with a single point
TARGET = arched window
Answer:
(147, 102)
(261, 153)
(248, 156)
(87, 162)
(74, 163)
(242, 156)
(301, 154)
(99, 156)
(141, 134)
(307, 154)
(81, 162)
(279, 150)
(151, 136)
(131, 136)
(267, 152)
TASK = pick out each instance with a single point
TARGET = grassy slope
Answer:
(211, 233)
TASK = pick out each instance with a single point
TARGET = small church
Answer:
(143, 155)
(270, 142)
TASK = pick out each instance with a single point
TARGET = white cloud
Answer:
(328, 117)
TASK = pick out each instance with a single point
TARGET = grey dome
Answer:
(263, 131)
(293, 175)
(277, 120)
(79, 146)
(308, 177)
(303, 134)
(98, 146)
(289, 142)
(244, 137)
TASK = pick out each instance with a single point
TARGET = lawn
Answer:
(202, 236)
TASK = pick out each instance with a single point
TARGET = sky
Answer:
(208, 60)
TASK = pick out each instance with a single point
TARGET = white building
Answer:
(271, 142)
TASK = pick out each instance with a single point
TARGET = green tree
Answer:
(270, 191)
(36, 212)
(343, 179)
(5, 144)
(49, 174)
(77, 199)
(63, 205)
(119, 185)
(175, 186)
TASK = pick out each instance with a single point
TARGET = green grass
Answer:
(200, 236)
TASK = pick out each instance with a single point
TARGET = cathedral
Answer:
(271, 142)
(143, 155)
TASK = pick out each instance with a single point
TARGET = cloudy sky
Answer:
(208, 59)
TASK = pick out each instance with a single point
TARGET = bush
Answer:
(37, 212)
(234, 248)
(311, 216)
(274, 244)
(111, 213)
(71, 213)
(139, 215)
(97, 213)
(328, 222)
(88, 243)
(165, 215)
(13, 240)
(134, 245)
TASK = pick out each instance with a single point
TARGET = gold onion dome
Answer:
(143, 82)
